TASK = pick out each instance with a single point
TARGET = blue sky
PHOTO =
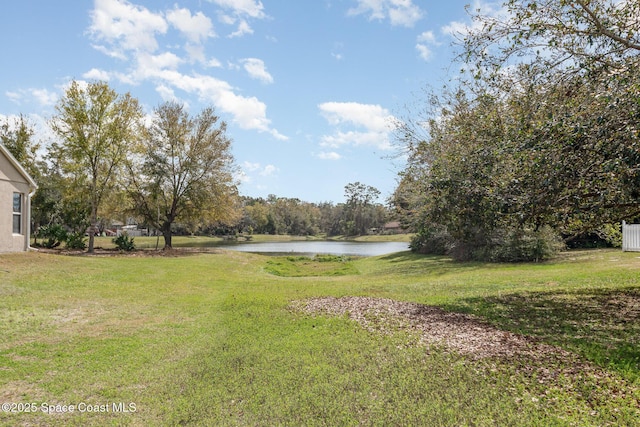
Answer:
(310, 89)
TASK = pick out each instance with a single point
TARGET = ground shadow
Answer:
(601, 325)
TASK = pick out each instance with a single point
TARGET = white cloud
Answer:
(242, 177)
(256, 69)
(427, 37)
(195, 27)
(125, 27)
(329, 155)
(257, 168)
(372, 122)
(43, 97)
(370, 116)
(424, 51)
(166, 93)
(422, 46)
(96, 74)
(243, 28)
(251, 8)
(269, 170)
(399, 12)
(150, 64)
(14, 96)
(240, 10)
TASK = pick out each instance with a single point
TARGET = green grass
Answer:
(319, 265)
(210, 339)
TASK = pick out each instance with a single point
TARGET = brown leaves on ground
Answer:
(469, 336)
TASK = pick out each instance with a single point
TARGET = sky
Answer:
(310, 89)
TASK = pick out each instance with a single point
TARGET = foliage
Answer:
(431, 239)
(361, 211)
(542, 141)
(518, 245)
(554, 34)
(96, 127)
(124, 243)
(612, 234)
(17, 136)
(53, 235)
(524, 149)
(281, 215)
(183, 170)
(76, 240)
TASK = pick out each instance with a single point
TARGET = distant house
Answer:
(16, 189)
(393, 227)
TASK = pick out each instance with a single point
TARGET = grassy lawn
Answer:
(212, 339)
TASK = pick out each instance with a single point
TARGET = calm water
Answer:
(321, 247)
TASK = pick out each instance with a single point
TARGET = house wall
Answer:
(12, 181)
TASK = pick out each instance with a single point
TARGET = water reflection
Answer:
(311, 248)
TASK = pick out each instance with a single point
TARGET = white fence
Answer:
(630, 237)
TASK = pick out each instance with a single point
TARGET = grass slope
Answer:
(211, 339)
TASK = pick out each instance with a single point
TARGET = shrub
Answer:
(53, 235)
(76, 241)
(612, 234)
(124, 243)
(432, 239)
(514, 244)
(520, 245)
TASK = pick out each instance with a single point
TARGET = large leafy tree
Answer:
(545, 135)
(360, 209)
(526, 157)
(183, 170)
(573, 35)
(97, 128)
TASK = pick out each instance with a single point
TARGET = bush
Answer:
(499, 245)
(76, 241)
(520, 245)
(433, 240)
(124, 243)
(53, 235)
(612, 234)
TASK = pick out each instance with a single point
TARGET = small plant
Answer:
(53, 235)
(124, 243)
(76, 241)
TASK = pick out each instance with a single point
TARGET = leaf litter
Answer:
(540, 364)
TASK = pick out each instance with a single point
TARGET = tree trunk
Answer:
(93, 220)
(91, 239)
(166, 233)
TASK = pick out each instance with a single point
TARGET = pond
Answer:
(315, 247)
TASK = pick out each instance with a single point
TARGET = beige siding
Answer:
(12, 181)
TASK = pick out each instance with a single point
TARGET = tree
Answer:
(571, 35)
(17, 136)
(183, 170)
(360, 210)
(542, 141)
(97, 128)
(524, 159)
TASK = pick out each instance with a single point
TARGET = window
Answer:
(17, 213)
